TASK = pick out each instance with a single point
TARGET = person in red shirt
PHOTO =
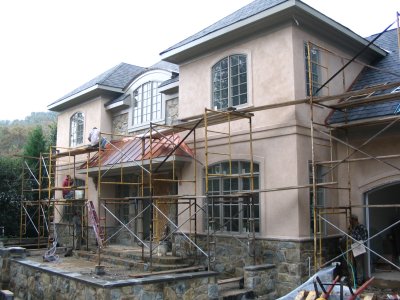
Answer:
(67, 192)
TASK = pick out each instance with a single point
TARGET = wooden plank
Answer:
(300, 295)
(368, 296)
(181, 270)
(311, 295)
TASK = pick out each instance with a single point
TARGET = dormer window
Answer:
(229, 82)
(76, 129)
(147, 104)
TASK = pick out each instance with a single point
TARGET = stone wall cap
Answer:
(259, 267)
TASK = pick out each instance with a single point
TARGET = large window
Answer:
(76, 129)
(229, 82)
(315, 62)
(233, 214)
(147, 104)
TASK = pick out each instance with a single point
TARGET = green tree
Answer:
(34, 147)
(10, 194)
(52, 135)
(36, 143)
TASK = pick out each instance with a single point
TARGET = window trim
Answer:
(74, 142)
(248, 81)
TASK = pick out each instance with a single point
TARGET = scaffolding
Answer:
(149, 167)
(42, 204)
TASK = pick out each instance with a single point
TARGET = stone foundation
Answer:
(30, 280)
(292, 259)
(261, 279)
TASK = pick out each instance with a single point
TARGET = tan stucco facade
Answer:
(281, 137)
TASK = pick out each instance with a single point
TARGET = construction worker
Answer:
(358, 232)
(94, 136)
(67, 184)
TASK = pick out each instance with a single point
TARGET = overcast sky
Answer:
(50, 47)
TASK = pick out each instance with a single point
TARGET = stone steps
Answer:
(236, 294)
(137, 255)
(130, 263)
(232, 289)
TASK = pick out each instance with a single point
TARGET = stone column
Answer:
(261, 280)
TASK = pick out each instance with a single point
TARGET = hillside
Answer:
(13, 134)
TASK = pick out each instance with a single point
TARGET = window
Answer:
(233, 214)
(315, 70)
(76, 129)
(229, 82)
(147, 104)
(321, 174)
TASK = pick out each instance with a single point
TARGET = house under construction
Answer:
(252, 143)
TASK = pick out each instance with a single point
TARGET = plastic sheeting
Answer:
(326, 276)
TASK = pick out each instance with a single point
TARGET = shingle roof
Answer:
(117, 77)
(245, 12)
(370, 77)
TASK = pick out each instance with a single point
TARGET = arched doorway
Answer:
(383, 221)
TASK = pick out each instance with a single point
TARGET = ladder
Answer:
(95, 223)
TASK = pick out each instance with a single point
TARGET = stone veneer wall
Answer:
(291, 258)
(30, 280)
(120, 124)
(171, 111)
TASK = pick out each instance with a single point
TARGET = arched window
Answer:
(233, 214)
(76, 127)
(229, 82)
(147, 104)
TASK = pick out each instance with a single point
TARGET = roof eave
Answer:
(82, 96)
(276, 14)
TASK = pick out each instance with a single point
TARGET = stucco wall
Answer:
(281, 137)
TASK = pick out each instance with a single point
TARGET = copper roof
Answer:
(136, 149)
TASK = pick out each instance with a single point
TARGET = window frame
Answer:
(316, 70)
(156, 96)
(76, 129)
(224, 210)
(228, 90)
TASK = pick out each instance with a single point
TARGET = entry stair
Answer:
(233, 289)
(133, 259)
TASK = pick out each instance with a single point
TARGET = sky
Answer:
(50, 47)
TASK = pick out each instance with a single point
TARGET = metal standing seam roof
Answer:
(370, 77)
(135, 149)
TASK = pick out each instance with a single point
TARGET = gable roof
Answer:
(112, 80)
(386, 70)
(259, 15)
